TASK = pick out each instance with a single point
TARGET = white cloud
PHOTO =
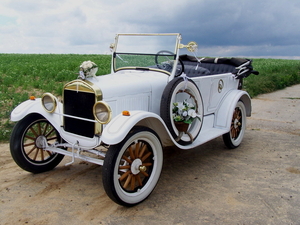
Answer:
(54, 26)
(89, 26)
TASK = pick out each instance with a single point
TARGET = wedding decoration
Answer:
(184, 114)
(88, 69)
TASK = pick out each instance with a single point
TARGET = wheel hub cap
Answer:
(136, 166)
(41, 141)
(236, 124)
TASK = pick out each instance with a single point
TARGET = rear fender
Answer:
(120, 126)
(224, 113)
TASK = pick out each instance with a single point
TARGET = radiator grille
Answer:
(79, 104)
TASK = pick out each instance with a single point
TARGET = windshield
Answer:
(145, 52)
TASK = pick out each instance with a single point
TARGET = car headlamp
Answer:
(102, 112)
(49, 102)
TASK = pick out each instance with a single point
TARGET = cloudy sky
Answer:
(248, 28)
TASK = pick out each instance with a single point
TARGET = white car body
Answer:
(139, 92)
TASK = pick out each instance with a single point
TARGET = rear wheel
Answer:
(234, 137)
(132, 168)
(27, 141)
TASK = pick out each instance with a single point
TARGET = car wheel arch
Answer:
(223, 115)
(120, 126)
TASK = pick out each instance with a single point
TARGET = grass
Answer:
(275, 74)
(23, 75)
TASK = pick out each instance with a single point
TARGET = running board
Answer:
(207, 133)
(205, 136)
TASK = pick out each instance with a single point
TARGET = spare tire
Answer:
(177, 91)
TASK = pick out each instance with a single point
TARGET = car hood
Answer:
(129, 83)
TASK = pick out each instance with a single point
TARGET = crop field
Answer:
(274, 74)
(23, 75)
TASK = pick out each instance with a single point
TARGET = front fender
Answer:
(120, 126)
(224, 113)
(35, 106)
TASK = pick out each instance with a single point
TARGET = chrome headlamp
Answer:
(49, 102)
(102, 112)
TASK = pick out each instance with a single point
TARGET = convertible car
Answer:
(155, 96)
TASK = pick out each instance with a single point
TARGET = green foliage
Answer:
(23, 75)
(274, 74)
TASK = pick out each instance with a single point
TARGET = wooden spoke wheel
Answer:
(234, 137)
(29, 137)
(135, 166)
(132, 167)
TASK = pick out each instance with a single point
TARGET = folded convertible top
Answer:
(243, 66)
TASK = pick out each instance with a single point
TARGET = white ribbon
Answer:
(81, 75)
(121, 58)
(199, 60)
(185, 79)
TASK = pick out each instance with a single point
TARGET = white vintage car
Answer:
(154, 97)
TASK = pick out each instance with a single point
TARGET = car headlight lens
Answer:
(49, 102)
(102, 112)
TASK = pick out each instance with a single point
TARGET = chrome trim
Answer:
(84, 86)
(220, 85)
(53, 100)
(87, 87)
(108, 110)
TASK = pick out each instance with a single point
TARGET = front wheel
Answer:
(234, 137)
(27, 141)
(132, 168)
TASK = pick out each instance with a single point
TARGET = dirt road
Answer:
(257, 183)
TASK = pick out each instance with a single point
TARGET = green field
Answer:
(275, 74)
(23, 75)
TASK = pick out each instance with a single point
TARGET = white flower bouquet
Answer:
(88, 69)
(184, 112)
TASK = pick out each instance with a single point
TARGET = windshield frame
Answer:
(117, 56)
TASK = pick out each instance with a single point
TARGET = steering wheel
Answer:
(168, 64)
